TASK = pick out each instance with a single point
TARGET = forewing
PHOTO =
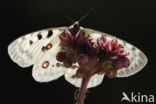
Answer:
(137, 58)
(27, 50)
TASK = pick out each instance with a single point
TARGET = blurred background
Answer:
(131, 20)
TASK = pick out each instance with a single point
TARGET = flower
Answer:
(110, 51)
(105, 57)
(70, 41)
(74, 46)
(102, 41)
(111, 47)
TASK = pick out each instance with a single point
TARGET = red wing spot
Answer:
(48, 46)
(45, 64)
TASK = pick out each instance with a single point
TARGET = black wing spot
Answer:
(43, 48)
(50, 33)
(39, 36)
(30, 42)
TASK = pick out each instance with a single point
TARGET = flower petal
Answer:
(99, 42)
(78, 36)
(63, 39)
(69, 35)
(109, 46)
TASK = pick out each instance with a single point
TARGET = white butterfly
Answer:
(40, 49)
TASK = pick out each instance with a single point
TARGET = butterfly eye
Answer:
(45, 64)
(48, 46)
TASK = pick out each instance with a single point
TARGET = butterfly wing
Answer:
(27, 50)
(137, 58)
(94, 81)
(39, 48)
(46, 69)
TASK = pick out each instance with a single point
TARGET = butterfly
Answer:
(41, 47)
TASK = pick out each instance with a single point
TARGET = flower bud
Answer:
(79, 73)
(83, 59)
(61, 56)
(121, 62)
(110, 70)
(67, 63)
(111, 73)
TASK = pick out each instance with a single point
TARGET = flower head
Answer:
(74, 47)
(69, 40)
(106, 57)
(110, 51)
(111, 47)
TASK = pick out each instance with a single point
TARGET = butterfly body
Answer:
(75, 27)
(40, 49)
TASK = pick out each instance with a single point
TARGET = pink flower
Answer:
(111, 47)
(102, 41)
(110, 51)
(106, 57)
(70, 41)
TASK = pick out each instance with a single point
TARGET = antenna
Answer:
(89, 11)
(68, 17)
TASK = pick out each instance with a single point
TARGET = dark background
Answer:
(131, 20)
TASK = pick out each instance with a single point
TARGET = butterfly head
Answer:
(74, 28)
